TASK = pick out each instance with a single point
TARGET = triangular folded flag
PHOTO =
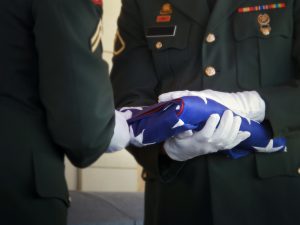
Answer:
(156, 123)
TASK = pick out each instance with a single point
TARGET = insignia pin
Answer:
(166, 9)
(264, 24)
(165, 13)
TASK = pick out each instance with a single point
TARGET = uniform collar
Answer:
(222, 10)
(195, 9)
(198, 10)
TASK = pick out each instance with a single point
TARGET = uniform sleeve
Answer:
(133, 77)
(282, 102)
(135, 83)
(73, 79)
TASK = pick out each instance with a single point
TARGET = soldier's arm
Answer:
(133, 77)
(282, 103)
(74, 85)
(135, 81)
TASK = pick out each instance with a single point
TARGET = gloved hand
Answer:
(248, 104)
(212, 138)
(121, 135)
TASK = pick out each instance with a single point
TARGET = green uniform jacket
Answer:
(154, 57)
(55, 98)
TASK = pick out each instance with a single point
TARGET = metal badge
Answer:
(165, 13)
(264, 24)
(166, 9)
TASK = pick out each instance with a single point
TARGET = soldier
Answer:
(248, 53)
(55, 99)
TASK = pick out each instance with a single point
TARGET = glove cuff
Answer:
(253, 105)
(121, 135)
(171, 150)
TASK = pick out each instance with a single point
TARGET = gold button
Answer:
(158, 45)
(210, 71)
(298, 170)
(210, 38)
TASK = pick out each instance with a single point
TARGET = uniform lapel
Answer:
(222, 9)
(195, 9)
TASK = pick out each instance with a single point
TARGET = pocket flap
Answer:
(280, 163)
(246, 25)
(160, 38)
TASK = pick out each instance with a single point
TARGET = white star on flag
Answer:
(269, 148)
(138, 140)
(180, 123)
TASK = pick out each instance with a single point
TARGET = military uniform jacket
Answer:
(55, 94)
(229, 48)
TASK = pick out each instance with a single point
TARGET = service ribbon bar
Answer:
(262, 7)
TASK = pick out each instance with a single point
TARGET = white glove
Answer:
(208, 140)
(246, 104)
(121, 135)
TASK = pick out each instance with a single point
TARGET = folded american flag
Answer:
(154, 124)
